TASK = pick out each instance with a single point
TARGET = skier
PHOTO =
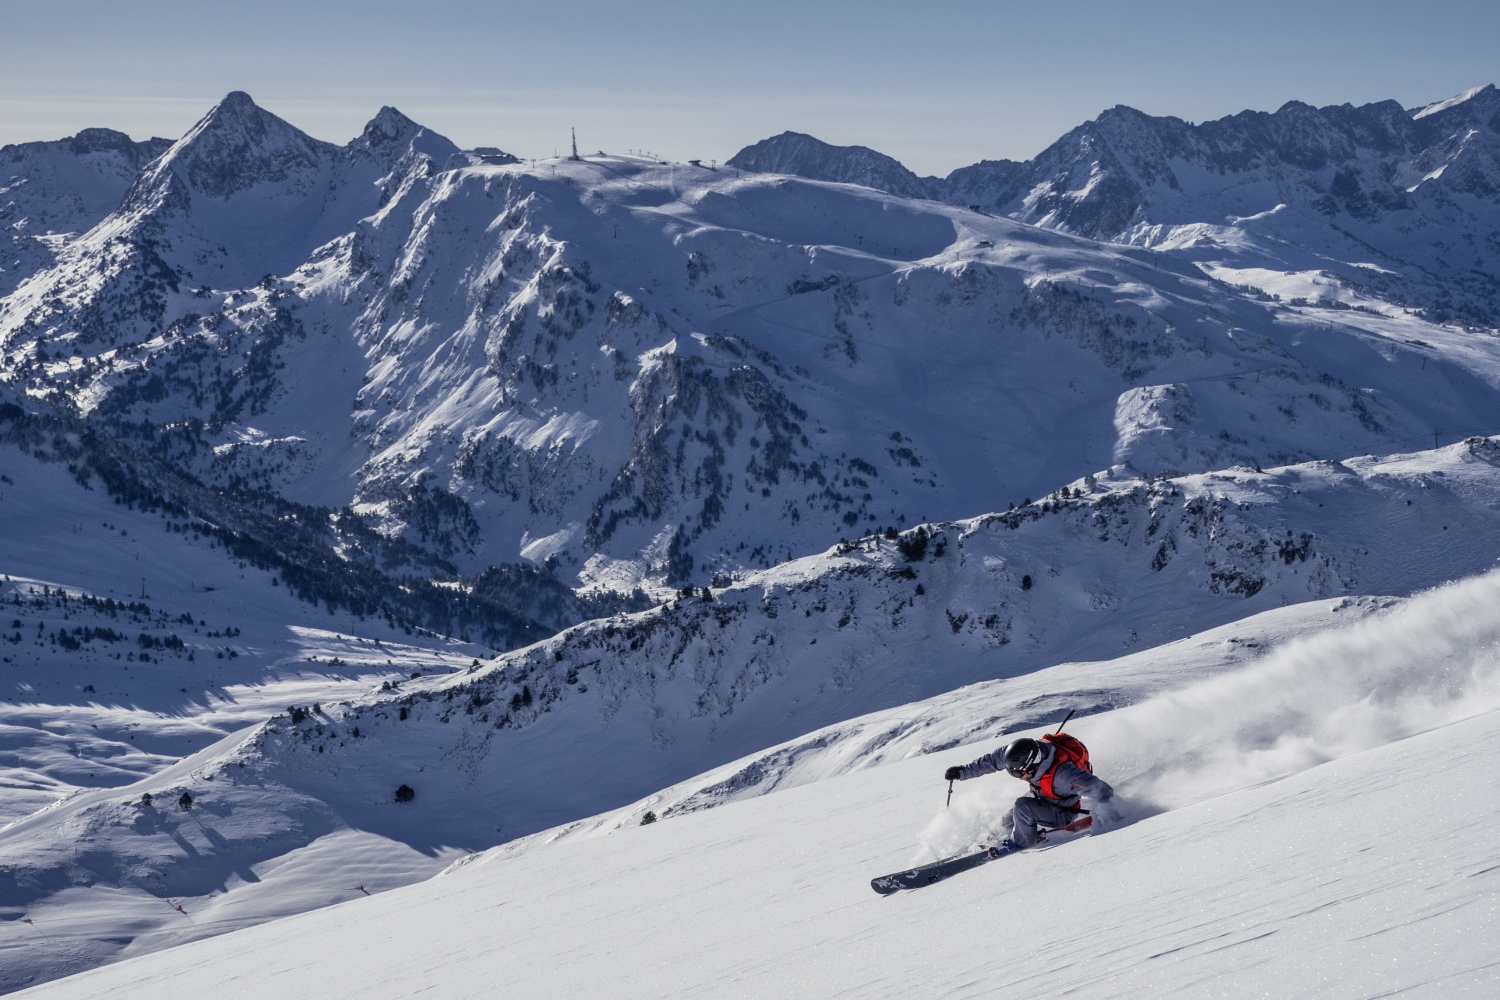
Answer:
(1057, 768)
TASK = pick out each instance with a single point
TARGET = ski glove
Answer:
(1105, 814)
(954, 773)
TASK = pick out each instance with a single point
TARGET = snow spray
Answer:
(1428, 662)
(978, 817)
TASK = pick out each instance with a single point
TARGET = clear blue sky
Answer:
(937, 84)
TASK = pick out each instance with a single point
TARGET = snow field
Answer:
(1320, 872)
(1299, 888)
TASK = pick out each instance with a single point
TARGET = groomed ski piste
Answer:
(1316, 822)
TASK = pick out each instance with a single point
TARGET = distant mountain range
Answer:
(1404, 203)
(626, 374)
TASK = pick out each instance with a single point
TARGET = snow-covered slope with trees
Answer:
(50, 192)
(64, 188)
(1268, 847)
(611, 711)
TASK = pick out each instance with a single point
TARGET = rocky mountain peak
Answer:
(98, 140)
(391, 135)
(389, 125)
(239, 145)
(86, 142)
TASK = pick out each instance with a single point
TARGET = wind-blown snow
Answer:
(1453, 101)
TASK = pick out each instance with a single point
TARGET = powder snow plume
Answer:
(976, 819)
(1428, 662)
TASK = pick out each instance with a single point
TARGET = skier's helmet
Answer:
(1021, 758)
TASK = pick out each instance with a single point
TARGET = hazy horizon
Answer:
(937, 89)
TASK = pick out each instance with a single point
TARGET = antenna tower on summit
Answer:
(575, 155)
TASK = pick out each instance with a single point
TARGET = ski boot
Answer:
(1006, 846)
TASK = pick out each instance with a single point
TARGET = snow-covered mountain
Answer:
(64, 188)
(242, 196)
(50, 192)
(1376, 199)
(551, 493)
(649, 374)
(805, 156)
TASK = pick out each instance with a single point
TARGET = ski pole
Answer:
(1064, 722)
(950, 795)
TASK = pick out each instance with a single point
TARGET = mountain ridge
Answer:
(641, 374)
(1346, 179)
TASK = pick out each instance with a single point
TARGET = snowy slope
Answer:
(1269, 848)
(88, 702)
(615, 710)
(145, 615)
(972, 714)
(130, 642)
(66, 187)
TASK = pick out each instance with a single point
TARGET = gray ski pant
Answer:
(1031, 813)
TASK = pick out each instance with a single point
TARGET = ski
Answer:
(915, 878)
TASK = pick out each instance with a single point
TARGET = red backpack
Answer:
(1069, 751)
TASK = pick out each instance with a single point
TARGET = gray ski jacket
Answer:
(1070, 783)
